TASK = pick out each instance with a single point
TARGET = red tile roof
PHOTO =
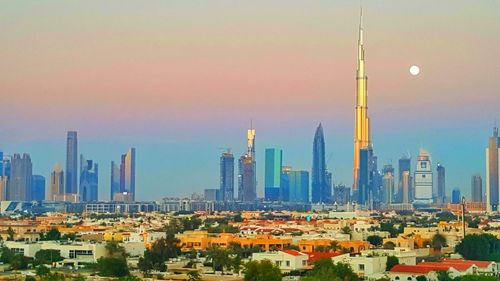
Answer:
(314, 256)
(292, 252)
(481, 264)
(403, 268)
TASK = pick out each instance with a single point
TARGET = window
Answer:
(397, 278)
(287, 263)
(362, 267)
(73, 254)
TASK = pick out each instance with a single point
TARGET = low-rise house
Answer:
(286, 260)
(80, 251)
(364, 266)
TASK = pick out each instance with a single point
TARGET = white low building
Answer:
(364, 266)
(404, 255)
(80, 251)
(286, 260)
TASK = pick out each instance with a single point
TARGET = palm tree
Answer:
(334, 245)
(347, 230)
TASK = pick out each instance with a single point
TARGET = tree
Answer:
(478, 277)
(438, 242)
(262, 271)
(219, 258)
(42, 270)
(421, 278)
(69, 236)
(29, 278)
(375, 240)
(443, 275)
(325, 269)
(346, 230)
(194, 276)
(112, 266)
(235, 263)
(115, 250)
(7, 255)
(389, 227)
(155, 258)
(18, 262)
(10, 233)
(52, 234)
(479, 247)
(334, 245)
(391, 262)
(292, 247)
(48, 256)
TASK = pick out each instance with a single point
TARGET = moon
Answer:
(414, 70)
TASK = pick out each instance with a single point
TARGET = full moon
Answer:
(414, 70)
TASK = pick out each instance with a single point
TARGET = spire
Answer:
(361, 26)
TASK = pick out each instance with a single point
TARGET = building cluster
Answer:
(415, 183)
(291, 240)
(77, 183)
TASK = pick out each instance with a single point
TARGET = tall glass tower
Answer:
(72, 163)
(476, 188)
(226, 176)
(19, 185)
(440, 193)
(404, 165)
(127, 173)
(88, 180)
(272, 177)
(493, 172)
(247, 177)
(319, 186)
(362, 121)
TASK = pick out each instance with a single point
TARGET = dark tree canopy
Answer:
(484, 247)
(262, 271)
(391, 262)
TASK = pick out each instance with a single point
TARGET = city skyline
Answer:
(464, 122)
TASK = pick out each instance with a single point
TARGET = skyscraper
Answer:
(226, 176)
(362, 121)
(366, 176)
(88, 180)
(476, 188)
(56, 183)
(341, 194)
(247, 178)
(127, 173)
(405, 187)
(38, 188)
(387, 184)
(404, 164)
(19, 184)
(441, 185)
(455, 196)
(285, 183)
(299, 186)
(72, 163)
(1, 163)
(319, 181)
(3, 188)
(115, 180)
(493, 172)
(272, 174)
(423, 178)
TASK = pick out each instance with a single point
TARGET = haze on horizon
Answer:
(181, 79)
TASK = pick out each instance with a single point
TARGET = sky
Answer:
(181, 80)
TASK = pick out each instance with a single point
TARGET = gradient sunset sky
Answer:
(179, 80)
